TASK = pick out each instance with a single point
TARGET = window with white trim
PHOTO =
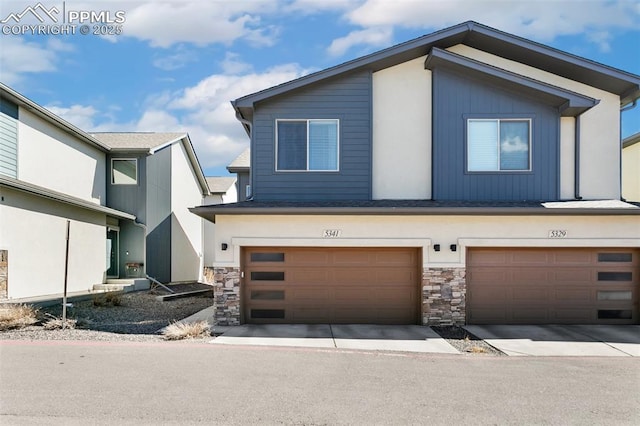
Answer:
(124, 171)
(307, 145)
(496, 145)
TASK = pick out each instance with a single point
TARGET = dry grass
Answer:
(477, 350)
(17, 316)
(55, 323)
(112, 298)
(179, 330)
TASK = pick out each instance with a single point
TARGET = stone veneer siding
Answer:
(226, 294)
(443, 296)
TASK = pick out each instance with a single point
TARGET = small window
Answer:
(614, 295)
(267, 313)
(615, 276)
(267, 294)
(267, 257)
(498, 145)
(615, 314)
(614, 257)
(307, 145)
(267, 276)
(124, 171)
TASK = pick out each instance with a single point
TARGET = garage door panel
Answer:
(576, 285)
(296, 276)
(530, 295)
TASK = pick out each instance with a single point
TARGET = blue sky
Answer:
(177, 64)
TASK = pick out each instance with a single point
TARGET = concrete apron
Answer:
(401, 338)
(561, 340)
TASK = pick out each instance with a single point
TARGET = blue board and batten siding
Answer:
(8, 138)
(456, 98)
(347, 99)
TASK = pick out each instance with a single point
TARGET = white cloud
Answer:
(20, 56)
(526, 18)
(166, 23)
(310, 7)
(376, 37)
(79, 115)
(177, 60)
(231, 64)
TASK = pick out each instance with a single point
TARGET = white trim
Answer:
(125, 159)
(549, 242)
(308, 120)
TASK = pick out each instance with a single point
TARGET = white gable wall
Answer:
(402, 132)
(186, 228)
(631, 173)
(53, 159)
(599, 130)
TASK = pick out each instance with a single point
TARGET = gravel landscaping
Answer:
(139, 317)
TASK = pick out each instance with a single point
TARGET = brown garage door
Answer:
(552, 286)
(331, 285)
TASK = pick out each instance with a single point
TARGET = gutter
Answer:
(209, 213)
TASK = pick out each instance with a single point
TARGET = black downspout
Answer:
(576, 171)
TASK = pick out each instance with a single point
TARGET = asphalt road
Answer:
(73, 383)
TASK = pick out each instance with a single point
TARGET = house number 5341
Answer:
(557, 233)
(331, 233)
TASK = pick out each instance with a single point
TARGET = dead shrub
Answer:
(55, 323)
(112, 298)
(180, 330)
(17, 316)
(477, 350)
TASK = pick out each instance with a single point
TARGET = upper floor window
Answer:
(307, 145)
(124, 171)
(498, 145)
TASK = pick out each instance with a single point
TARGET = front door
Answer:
(112, 253)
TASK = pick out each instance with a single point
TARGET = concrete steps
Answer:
(126, 285)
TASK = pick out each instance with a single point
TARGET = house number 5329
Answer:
(557, 233)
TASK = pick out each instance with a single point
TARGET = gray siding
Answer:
(129, 198)
(347, 99)
(241, 185)
(159, 215)
(457, 97)
(8, 138)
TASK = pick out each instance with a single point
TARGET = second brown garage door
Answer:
(552, 286)
(331, 285)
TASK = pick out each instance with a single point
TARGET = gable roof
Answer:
(219, 184)
(242, 162)
(624, 84)
(150, 143)
(11, 95)
(137, 141)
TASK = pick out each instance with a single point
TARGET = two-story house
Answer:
(466, 176)
(124, 195)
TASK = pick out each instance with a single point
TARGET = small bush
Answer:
(54, 323)
(180, 330)
(112, 298)
(17, 316)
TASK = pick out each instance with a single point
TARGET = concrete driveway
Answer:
(403, 338)
(561, 340)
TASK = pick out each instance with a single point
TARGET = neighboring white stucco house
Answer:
(51, 172)
(125, 195)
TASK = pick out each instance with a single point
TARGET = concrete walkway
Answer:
(561, 340)
(402, 338)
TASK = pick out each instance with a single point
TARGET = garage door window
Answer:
(267, 276)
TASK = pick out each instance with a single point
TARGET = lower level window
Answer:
(498, 145)
(307, 145)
